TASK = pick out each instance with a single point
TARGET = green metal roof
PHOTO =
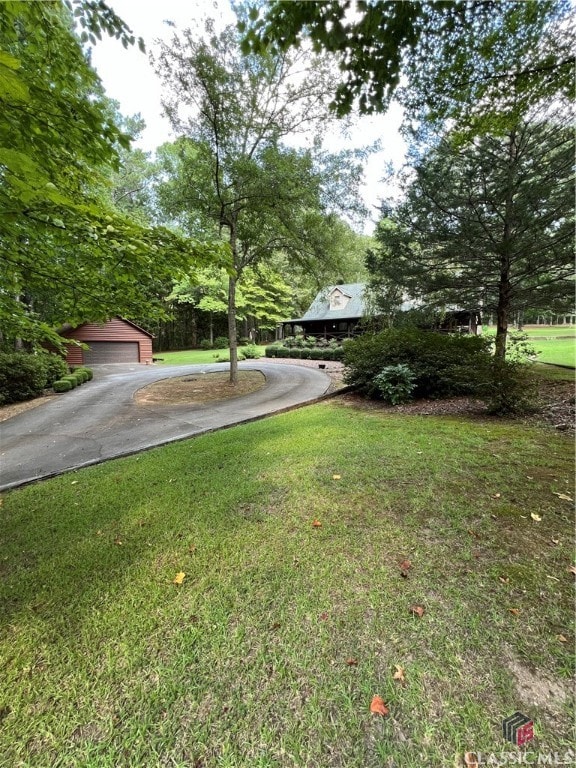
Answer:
(320, 307)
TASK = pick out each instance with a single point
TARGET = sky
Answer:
(129, 78)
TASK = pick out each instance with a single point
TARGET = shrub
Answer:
(270, 351)
(338, 353)
(316, 354)
(251, 352)
(244, 341)
(90, 373)
(81, 373)
(54, 365)
(296, 353)
(305, 353)
(62, 385)
(509, 388)
(289, 341)
(72, 378)
(221, 342)
(23, 376)
(284, 352)
(443, 364)
(395, 383)
(206, 344)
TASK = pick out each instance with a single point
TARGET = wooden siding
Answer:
(116, 330)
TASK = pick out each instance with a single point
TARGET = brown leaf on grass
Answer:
(563, 496)
(377, 706)
(535, 517)
(572, 569)
(515, 611)
(323, 616)
(336, 477)
(399, 674)
(417, 610)
(497, 496)
(473, 533)
(504, 579)
(118, 541)
(316, 524)
(405, 565)
(352, 662)
(471, 760)
(562, 638)
(179, 578)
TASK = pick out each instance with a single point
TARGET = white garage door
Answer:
(111, 352)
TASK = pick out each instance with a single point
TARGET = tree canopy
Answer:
(487, 225)
(449, 53)
(232, 169)
(67, 253)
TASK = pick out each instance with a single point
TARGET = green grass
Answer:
(194, 356)
(555, 344)
(107, 663)
(556, 351)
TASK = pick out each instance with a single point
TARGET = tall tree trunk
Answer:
(232, 330)
(505, 286)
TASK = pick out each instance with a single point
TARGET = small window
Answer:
(338, 300)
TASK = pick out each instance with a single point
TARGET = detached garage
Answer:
(117, 341)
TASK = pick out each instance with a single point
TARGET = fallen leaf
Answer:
(405, 565)
(504, 579)
(352, 662)
(316, 524)
(563, 496)
(471, 760)
(562, 638)
(74, 482)
(323, 616)
(118, 541)
(399, 674)
(497, 496)
(377, 706)
(555, 541)
(336, 477)
(473, 533)
(553, 578)
(572, 569)
(417, 610)
(179, 578)
(192, 548)
(535, 517)
(515, 611)
(529, 477)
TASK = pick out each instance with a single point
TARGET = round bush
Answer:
(395, 383)
(23, 376)
(80, 374)
(221, 342)
(270, 351)
(305, 354)
(316, 354)
(72, 378)
(251, 352)
(62, 385)
(205, 344)
(295, 353)
(282, 352)
(54, 365)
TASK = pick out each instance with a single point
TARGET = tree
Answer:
(234, 172)
(452, 54)
(67, 254)
(487, 223)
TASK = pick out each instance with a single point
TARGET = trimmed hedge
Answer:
(62, 385)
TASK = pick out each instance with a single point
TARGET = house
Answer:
(116, 341)
(338, 310)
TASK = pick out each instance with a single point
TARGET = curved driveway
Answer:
(100, 420)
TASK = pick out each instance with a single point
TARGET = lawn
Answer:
(554, 344)
(194, 356)
(295, 607)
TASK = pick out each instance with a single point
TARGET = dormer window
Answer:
(338, 299)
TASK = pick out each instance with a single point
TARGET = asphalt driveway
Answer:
(100, 420)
